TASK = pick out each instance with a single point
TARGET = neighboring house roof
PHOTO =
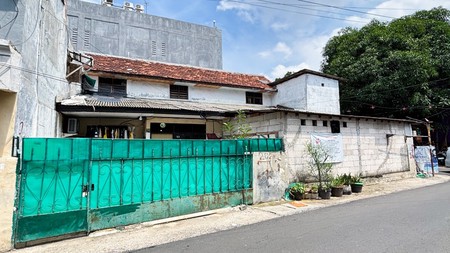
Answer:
(175, 72)
(303, 72)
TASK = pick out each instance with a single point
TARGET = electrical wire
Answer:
(34, 29)
(302, 7)
(56, 78)
(14, 18)
(346, 9)
(297, 12)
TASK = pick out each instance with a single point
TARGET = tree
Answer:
(393, 69)
(238, 128)
(285, 75)
(319, 165)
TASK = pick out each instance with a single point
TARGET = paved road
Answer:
(410, 221)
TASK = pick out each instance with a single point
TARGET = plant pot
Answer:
(310, 195)
(347, 190)
(325, 194)
(296, 195)
(337, 191)
(357, 187)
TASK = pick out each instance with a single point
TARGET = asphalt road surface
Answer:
(410, 221)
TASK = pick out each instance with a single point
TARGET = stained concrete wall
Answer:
(367, 148)
(34, 33)
(115, 31)
(38, 33)
(269, 176)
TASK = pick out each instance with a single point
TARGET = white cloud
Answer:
(243, 10)
(281, 47)
(388, 10)
(265, 54)
(281, 70)
(225, 5)
(277, 26)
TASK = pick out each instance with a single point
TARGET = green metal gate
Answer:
(73, 186)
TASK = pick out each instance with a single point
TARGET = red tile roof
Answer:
(174, 72)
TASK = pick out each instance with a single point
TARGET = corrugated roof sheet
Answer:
(167, 71)
(98, 101)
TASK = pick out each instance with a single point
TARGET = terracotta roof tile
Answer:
(159, 70)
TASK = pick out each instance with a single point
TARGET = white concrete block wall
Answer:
(365, 146)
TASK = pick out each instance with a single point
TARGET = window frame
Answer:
(116, 86)
(253, 98)
(179, 92)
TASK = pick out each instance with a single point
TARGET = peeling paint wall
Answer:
(269, 176)
(114, 31)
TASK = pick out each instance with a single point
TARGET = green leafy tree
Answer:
(393, 69)
(238, 128)
(319, 165)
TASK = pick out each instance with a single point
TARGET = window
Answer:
(325, 123)
(179, 92)
(303, 122)
(253, 98)
(112, 86)
(344, 124)
(335, 127)
(314, 122)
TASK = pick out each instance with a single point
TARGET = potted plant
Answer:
(311, 192)
(325, 190)
(356, 184)
(347, 180)
(320, 167)
(337, 186)
(296, 191)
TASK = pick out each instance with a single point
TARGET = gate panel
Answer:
(51, 200)
(166, 179)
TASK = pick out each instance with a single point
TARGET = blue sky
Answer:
(271, 37)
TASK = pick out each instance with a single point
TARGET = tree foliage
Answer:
(393, 69)
(237, 128)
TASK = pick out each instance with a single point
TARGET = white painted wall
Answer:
(322, 94)
(223, 95)
(292, 93)
(310, 93)
(147, 90)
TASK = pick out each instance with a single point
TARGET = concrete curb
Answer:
(178, 228)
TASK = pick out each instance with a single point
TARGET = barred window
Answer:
(179, 92)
